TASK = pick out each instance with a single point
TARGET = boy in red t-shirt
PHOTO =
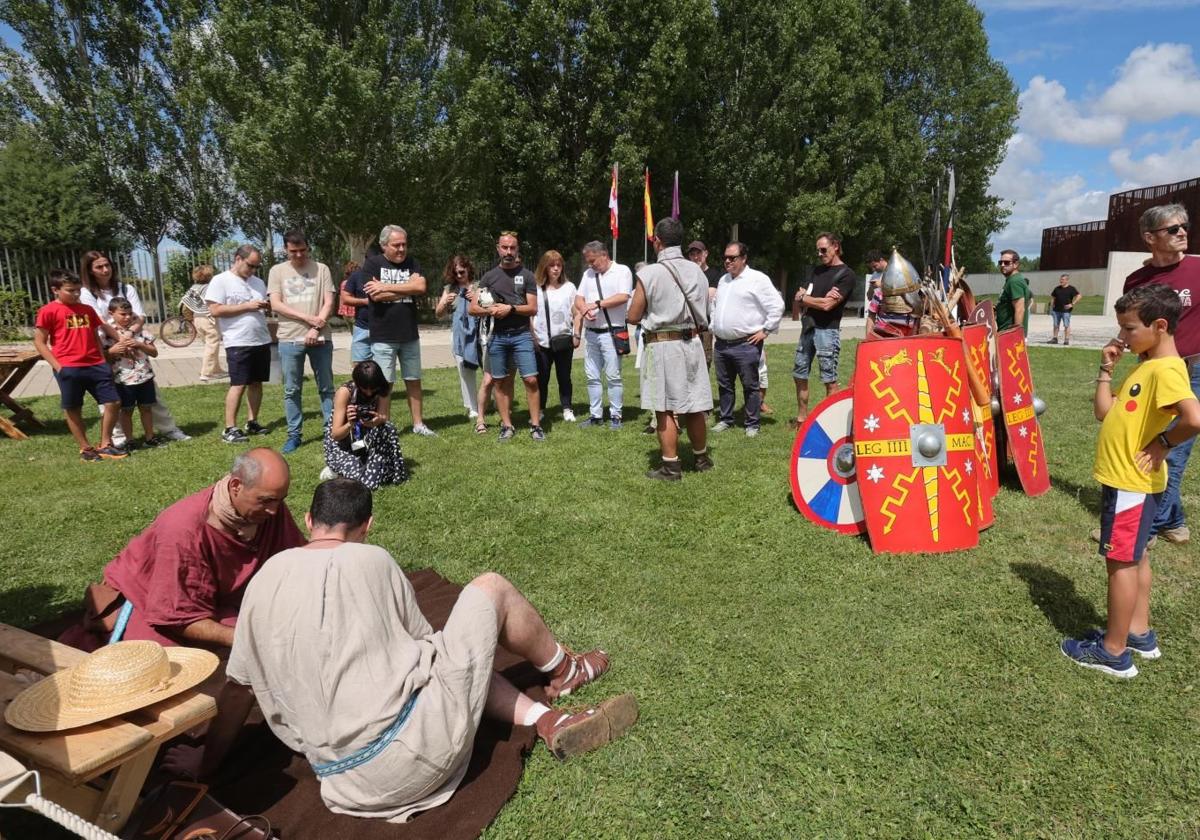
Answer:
(65, 336)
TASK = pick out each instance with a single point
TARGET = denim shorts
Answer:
(140, 394)
(511, 350)
(1063, 318)
(97, 380)
(408, 353)
(825, 344)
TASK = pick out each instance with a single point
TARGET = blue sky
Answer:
(1110, 100)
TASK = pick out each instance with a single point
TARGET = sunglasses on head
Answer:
(1173, 229)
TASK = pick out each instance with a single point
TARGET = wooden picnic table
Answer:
(95, 771)
(15, 363)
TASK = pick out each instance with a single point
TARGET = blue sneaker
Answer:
(290, 445)
(615, 422)
(1091, 654)
(1145, 645)
(592, 423)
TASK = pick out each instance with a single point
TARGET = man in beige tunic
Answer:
(348, 671)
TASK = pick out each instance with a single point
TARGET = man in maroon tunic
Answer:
(185, 574)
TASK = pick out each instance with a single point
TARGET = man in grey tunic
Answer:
(348, 671)
(670, 301)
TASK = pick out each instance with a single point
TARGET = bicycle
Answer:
(180, 330)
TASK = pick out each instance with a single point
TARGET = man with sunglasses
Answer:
(238, 300)
(1012, 307)
(822, 303)
(1164, 229)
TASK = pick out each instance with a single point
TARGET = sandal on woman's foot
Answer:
(575, 671)
(481, 428)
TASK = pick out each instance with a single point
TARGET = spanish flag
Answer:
(646, 207)
(612, 204)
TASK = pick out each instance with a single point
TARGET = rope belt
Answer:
(332, 768)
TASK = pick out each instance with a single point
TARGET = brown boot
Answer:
(669, 471)
(704, 462)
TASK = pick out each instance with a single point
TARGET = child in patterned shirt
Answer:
(130, 359)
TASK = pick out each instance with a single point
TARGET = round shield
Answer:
(823, 482)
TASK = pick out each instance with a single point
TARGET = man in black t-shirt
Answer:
(1063, 298)
(697, 252)
(822, 303)
(393, 280)
(514, 301)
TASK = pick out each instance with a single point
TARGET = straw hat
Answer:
(115, 679)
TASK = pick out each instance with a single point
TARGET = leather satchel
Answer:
(184, 811)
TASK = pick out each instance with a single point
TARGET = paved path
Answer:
(181, 366)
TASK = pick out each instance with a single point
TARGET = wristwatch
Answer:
(1162, 438)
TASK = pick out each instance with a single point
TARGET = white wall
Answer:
(1089, 281)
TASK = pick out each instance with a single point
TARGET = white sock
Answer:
(667, 460)
(534, 714)
(554, 660)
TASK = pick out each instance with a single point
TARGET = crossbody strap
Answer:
(686, 299)
(599, 298)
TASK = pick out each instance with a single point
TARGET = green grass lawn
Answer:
(792, 683)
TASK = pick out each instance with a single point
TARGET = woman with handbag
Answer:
(458, 276)
(556, 329)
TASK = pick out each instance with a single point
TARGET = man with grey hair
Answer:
(671, 303)
(603, 297)
(181, 580)
(1063, 298)
(392, 282)
(238, 300)
(1164, 229)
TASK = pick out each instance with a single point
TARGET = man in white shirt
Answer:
(238, 300)
(301, 291)
(746, 309)
(603, 298)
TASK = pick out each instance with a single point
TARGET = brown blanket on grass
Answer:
(262, 776)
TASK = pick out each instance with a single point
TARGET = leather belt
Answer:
(667, 335)
(597, 330)
(733, 341)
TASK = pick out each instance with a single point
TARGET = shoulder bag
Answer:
(558, 343)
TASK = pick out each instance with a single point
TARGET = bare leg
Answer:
(505, 702)
(801, 400)
(1141, 611)
(533, 395)
(697, 431)
(253, 401)
(1122, 602)
(522, 629)
(108, 422)
(75, 424)
(126, 420)
(412, 389)
(668, 434)
(147, 413)
(233, 401)
(504, 399)
(830, 387)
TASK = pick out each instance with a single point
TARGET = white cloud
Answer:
(1178, 163)
(1039, 200)
(1155, 82)
(1046, 112)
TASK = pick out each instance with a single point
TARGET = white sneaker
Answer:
(472, 414)
(568, 415)
(752, 431)
(327, 474)
(177, 434)
(424, 431)
(722, 427)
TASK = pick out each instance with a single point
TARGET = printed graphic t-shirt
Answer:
(72, 331)
(510, 286)
(393, 322)
(304, 290)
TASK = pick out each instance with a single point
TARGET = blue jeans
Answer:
(507, 351)
(360, 344)
(1170, 510)
(599, 354)
(291, 363)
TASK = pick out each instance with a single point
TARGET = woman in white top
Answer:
(556, 328)
(100, 285)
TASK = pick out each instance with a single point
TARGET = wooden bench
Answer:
(94, 771)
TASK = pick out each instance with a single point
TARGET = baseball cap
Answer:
(696, 245)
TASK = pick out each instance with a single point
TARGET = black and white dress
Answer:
(379, 464)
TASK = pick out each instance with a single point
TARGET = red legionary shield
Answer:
(979, 357)
(914, 445)
(1024, 432)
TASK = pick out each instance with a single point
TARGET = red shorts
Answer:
(1126, 519)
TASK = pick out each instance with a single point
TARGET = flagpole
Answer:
(616, 179)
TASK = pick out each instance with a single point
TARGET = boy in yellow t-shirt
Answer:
(1134, 440)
